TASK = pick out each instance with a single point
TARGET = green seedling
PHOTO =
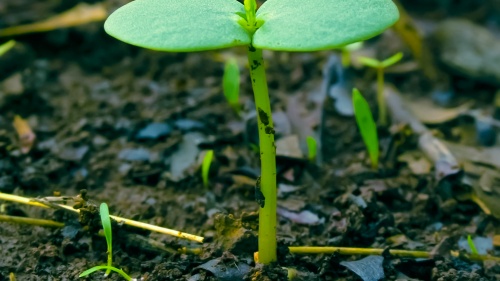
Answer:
(231, 84)
(366, 125)
(205, 167)
(312, 148)
(282, 25)
(472, 246)
(380, 66)
(5, 47)
(346, 53)
(106, 225)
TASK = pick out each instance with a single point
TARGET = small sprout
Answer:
(106, 225)
(5, 47)
(472, 246)
(280, 25)
(205, 167)
(346, 52)
(380, 66)
(231, 84)
(312, 148)
(366, 126)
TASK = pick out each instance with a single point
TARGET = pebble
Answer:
(469, 49)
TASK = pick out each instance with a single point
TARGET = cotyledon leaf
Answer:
(179, 25)
(312, 25)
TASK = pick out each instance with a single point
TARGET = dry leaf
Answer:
(80, 14)
(429, 113)
(26, 135)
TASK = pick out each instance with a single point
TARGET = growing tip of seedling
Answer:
(472, 246)
(312, 148)
(366, 125)
(205, 167)
(231, 84)
(5, 47)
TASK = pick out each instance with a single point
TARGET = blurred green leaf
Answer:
(366, 125)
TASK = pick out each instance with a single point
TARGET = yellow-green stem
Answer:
(382, 114)
(267, 213)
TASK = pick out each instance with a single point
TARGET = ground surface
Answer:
(91, 100)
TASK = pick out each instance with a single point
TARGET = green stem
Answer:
(382, 115)
(267, 213)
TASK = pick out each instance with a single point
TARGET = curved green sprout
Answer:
(231, 84)
(366, 126)
(106, 225)
(380, 66)
(5, 47)
(205, 167)
(285, 25)
(472, 246)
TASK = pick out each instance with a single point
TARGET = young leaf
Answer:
(312, 148)
(366, 125)
(105, 267)
(231, 83)
(205, 167)
(370, 62)
(179, 25)
(472, 246)
(298, 25)
(106, 224)
(392, 60)
(6, 46)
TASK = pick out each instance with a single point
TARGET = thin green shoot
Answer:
(380, 66)
(472, 246)
(5, 47)
(105, 267)
(366, 125)
(345, 53)
(280, 25)
(108, 234)
(205, 167)
(231, 84)
(312, 148)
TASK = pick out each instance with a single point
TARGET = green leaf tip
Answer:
(5, 47)
(106, 224)
(231, 83)
(179, 26)
(205, 167)
(297, 25)
(392, 60)
(366, 125)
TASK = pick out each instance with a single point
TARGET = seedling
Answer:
(346, 53)
(283, 25)
(380, 66)
(231, 84)
(312, 148)
(366, 125)
(106, 225)
(205, 167)
(5, 47)
(472, 246)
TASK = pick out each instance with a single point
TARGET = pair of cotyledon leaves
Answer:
(288, 25)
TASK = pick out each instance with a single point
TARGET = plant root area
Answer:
(114, 123)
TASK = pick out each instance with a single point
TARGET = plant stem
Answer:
(382, 115)
(267, 212)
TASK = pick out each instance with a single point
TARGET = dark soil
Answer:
(88, 98)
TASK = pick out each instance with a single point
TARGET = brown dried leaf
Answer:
(80, 14)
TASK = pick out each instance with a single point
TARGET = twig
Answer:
(31, 221)
(33, 202)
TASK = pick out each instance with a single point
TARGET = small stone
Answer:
(469, 49)
(154, 131)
